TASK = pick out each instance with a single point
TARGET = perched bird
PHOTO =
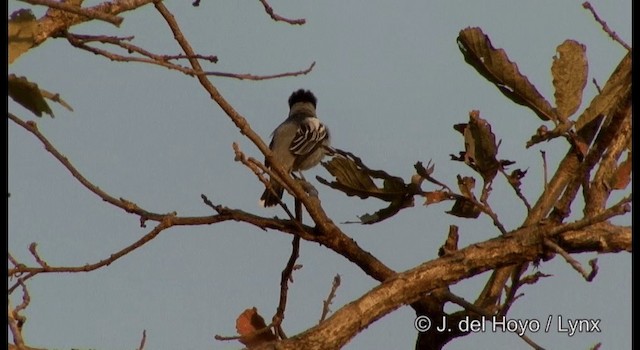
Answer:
(298, 143)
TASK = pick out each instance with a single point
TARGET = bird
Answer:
(299, 143)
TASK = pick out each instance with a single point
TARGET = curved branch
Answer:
(32, 271)
(409, 286)
(269, 10)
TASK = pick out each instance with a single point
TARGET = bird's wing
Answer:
(309, 137)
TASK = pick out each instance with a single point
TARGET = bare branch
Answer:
(332, 294)
(285, 276)
(604, 25)
(32, 248)
(143, 340)
(473, 308)
(32, 271)
(408, 287)
(573, 262)
(128, 206)
(277, 17)
(543, 154)
(16, 321)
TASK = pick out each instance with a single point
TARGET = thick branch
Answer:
(409, 286)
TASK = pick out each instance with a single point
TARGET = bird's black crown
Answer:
(302, 96)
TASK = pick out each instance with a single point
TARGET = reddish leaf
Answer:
(622, 174)
(436, 197)
(248, 323)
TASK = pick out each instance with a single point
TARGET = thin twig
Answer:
(473, 308)
(543, 154)
(15, 320)
(250, 335)
(620, 208)
(121, 203)
(286, 276)
(80, 41)
(604, 25)
(143, 340)
(277, 17)
(332, 294)
(32, 271)
(32, 249)
(588, 276)
(92, 14)
(595, 82)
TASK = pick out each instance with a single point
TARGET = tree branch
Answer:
(89, 13)
(407, 287)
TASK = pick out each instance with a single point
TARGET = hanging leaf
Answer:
(515, 177)
(385, 213)
(464, 206)
(28, 95)
(354, 178)
(570, 71)
(495, 66)
(480, 147)
(22, 28)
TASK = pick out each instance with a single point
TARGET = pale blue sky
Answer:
(390, 81)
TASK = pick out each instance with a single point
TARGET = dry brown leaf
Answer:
(495, 66)
(464, 207)
(436, 197)
(622, 175)
(480, 147)
(570, 70)
(248, 323)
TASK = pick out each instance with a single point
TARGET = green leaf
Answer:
(22, 28)
(28, 95)
(569, 70)
(495, 66)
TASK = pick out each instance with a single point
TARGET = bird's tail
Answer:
(271, 195)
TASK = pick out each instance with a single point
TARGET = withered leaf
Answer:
(622, 175)
(22, 27)
(515, 177)
(354, 178)
(464, 206)
(248, 323)
(495, 66)
(570, 70)
(480, 147)
(436, 197)
(385, 213)
(28, 95)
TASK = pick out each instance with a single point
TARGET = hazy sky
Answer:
(390, 81)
